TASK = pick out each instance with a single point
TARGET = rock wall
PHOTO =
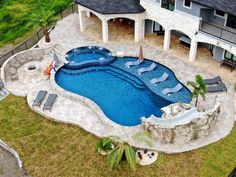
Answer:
(195, 128)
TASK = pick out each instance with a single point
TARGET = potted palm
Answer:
(104, 146)
(199, 88)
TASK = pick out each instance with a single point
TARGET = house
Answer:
(207, 23)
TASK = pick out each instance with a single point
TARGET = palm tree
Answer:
(199, 88)
(44, 18)
(123, 149)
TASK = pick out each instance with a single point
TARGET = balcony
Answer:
(222, 32)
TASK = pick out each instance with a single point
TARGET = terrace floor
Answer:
(68, 36)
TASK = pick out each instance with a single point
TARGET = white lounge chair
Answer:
(154, 81)
(175, 89)
(133, 63)
(149, 68)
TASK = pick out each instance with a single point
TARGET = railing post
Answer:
(61, 15)
(72, 8)
(221, 33)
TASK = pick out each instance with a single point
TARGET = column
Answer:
(193, 50)
(105, 31)
(167, 38)
(81, 20)
(88, 14)
(138, 30)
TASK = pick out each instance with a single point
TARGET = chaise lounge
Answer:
(154, 81)
(146, 69)
(133, 63)
(217, 88)
(215, 80)
(39, 98)
(175, 89)
(49, 102)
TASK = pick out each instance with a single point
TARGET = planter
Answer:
(102, 152)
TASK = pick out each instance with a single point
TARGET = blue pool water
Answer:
(122, 95)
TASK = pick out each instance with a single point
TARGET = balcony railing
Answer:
(220, 32)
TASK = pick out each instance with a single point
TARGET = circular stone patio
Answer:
(67, 110)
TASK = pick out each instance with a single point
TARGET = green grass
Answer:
(15, 17)
(53, 149)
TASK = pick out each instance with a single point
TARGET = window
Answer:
(230, 56)
(187, 3)
(168, 4)
(219, 13)
(231, 21)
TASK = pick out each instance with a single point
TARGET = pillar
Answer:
(81, 20)
(88, 14)
(167, 39)
(139, 30)
(193, 50)
(105, 31)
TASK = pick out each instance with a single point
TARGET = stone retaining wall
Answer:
(197, 127)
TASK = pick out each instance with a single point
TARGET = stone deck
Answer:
(66, 110)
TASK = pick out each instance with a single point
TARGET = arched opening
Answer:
(180, 43)
(154, 33)
(213, 55)
(93, 26)
(121, 29)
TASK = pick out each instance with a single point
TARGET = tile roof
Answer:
(113, 6)
(228, 6)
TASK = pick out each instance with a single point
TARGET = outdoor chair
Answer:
(149, 68)
(133, 63)
(215, 80)
(49, 102)
(1, 84)
(154, 81)
(175, 89)
(39, 98)
(217, 88)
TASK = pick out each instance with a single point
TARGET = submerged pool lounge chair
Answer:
(49, 102)
(215, 80)
(217, 88)
(154, 81)
(175, 89)
(1, 84)
(39, 98)
(146, 69)
(133, 63)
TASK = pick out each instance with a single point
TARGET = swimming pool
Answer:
(123, 96)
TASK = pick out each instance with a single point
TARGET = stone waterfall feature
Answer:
(182, 123)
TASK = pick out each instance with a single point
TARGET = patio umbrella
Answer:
(140, 57)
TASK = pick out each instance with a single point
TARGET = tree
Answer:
(123, 149)
(44, 18)
(199, 88)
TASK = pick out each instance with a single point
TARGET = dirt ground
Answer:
(9, 166)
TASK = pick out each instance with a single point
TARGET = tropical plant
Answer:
(104, 145)
(44, 18)
(123, 149)
(199, 88)
(144, 136)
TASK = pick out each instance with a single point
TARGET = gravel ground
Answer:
(9, 166)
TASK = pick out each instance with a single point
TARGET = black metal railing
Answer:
(34, 39)
(219, 32)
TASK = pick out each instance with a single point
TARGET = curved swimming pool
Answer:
(123, 96)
